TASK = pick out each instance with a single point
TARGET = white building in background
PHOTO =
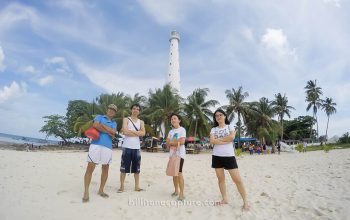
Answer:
(173, 76)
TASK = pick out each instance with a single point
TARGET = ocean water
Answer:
(23, 140)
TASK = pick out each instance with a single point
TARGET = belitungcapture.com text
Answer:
(169, 203)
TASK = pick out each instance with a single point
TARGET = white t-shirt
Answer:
(132, 142)
(223, 150)
(178, 133)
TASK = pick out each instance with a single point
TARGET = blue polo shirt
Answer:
(105, 139)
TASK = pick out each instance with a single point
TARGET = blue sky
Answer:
(55, 51)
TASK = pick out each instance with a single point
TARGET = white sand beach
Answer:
(49, 185)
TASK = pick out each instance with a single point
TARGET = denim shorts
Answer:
(131, 161)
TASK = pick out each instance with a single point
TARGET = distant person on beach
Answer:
(251, 149)
(304, 147)
(133, 128)
(176, 144)
(100, 151)
(221, 136)
(258, 149)
(279, 146)
(264, 148)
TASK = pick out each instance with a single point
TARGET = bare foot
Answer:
(222, 202)
(175, 194)
(120, 190)
(104, 195)
(181, 199)
(139, 189)
(85, 198)
(245, 207)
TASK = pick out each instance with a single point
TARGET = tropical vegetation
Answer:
(264, 119)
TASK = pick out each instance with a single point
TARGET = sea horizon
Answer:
(19, 139)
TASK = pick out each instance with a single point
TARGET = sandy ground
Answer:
(49, 185)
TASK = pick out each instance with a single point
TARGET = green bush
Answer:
(299, 147)
(327, 148)
(238, 152)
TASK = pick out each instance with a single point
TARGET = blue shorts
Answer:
(131, 161)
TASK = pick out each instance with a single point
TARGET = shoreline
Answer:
(23, 147)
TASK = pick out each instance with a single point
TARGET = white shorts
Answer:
(99, 154)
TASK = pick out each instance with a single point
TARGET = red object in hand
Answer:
(92, 133)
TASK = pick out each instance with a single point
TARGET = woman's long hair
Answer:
(224, 113)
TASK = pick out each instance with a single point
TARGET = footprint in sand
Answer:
(264, 194)
(318, 213)
(62, 191)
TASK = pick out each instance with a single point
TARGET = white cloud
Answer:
(11, 92)
(334, 2)
(247, 33)
(165, 12)
(2, 58)
(15, 13)
(113, 80)
(55, 60)
(58, 64)
(44, 81)
(29, 69)
(276, 42)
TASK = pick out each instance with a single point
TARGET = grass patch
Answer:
(331, 146)
(238, 152)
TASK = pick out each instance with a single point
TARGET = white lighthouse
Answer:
(173, 76)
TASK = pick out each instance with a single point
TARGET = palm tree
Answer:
(282, 108)
(198, 112)
(161, 103)
(329, 107)
(260, 121)
(139, 99)
(313, 93)
(237, 105)
(100, 107)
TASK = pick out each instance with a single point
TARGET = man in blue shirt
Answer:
(100, 151)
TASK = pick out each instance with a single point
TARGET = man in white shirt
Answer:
(133, 128)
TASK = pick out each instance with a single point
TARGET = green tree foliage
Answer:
(57, 126)
(76, 109)
(345, 138)
(198, 113)
(281, 108)
(237, 105)
(161, 103)
(253, 118)
(313, 93)
(260, 123)
(328, 106)
(299, 128)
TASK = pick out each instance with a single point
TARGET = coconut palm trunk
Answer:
(281, 127)
(327, 128)
(195, 128)
(316, 125)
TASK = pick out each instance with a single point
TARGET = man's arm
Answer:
(103, 128)
(126, 130)
(142, 130)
